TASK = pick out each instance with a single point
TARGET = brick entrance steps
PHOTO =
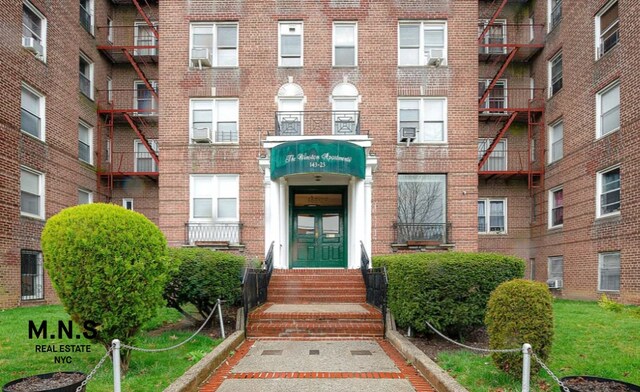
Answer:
(316, 303)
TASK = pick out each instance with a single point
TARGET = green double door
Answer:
(318, 238)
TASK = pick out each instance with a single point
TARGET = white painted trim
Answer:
(91, 78)
(550, 128)
(422, 25)
(127, 200)
(599, 187)
(91, 143)
(598, 26)
(599, 95)
(421, 118)
(353, 24)
(154, 145)
(214, 198)
(41, 193)
(43, 37)
(284, 22)
(600, 259)
(88, 193)
(487, 215)
(42, 108)
(550, 200)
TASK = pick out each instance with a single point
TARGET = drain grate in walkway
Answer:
(271, 352)
(360, 352)
(314, 352)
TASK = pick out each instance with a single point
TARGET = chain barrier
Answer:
(546, 369)
(95, 369)
(485, 350)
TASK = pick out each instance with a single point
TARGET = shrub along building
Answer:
(323, 126)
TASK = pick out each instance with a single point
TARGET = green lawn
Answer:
(588, 341)
(150, 372)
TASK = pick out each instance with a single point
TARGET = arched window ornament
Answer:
(290, 90)
(345, 89)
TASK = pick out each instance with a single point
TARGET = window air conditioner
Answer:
(435, 57)
(554, 283)
(32, 45)
(408, 134)
(201, 57)
(201, 135)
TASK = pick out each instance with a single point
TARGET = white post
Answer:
(526, 367)
(116, 365)
(220, 316)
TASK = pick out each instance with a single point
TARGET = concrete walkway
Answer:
(305, 365)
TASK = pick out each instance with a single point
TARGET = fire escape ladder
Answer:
(498, 75)
(490, 23)
(497, 139)
(143, 139)
(154, 30)
(140, 73)
(532, 123)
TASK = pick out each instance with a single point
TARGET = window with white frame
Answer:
(608, 192)
(144, 99)
(86, 76)
(608, 110)
(214, 44)
(31, 275)
(85, 197)
(422, 43)
(214, 197)
(290, 116)
(555, 271)
(85, 143)
(495, 38)
(86, 15)
(109, 90)
(497, 160)
(555, 73)
(345, 44)
(607, 29)
(556, 137)
(609, 271)
(424, 118)
(144, 36)
(144, 162)
(554, 8)
(556, 208)
(31, 193)
(127, 203)
(32, 110)
(492, 216)
(34, 30)
(422, 207)
(214, 120)
(344, 100)
(497, 98)
(110, 30)
(290, 44)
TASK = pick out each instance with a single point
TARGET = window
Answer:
(608, 110)
(32, 112)
(109, 90)
(214, 197)
(85, 143)
(422, 43)
(496, 36)
(492, 216)
(344, 98)
(31, 275)
(555, 13)
(556, 208)
(86, 15)
(110, 30)
(144, 100)
(497, 98)
(127, 203)
(609, 271)
(497, 161)
(86, 76)
(555, 272)
(555, 74)
(425, 118)
(34, 31)
(607, 29)
(290, 115)
(345, 44)
(290, 44)
(144, 162)
(556, 135)
(144, 36)
(85, 197)
(31, 193)
(608, 192)
(214, 44)
(214, 120)
(422, 202)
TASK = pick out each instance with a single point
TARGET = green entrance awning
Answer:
(317, 156)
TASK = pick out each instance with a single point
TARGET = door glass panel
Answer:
(330, 225)
(306, 224)
(318, 199)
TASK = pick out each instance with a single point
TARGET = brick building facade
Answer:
(325, 126)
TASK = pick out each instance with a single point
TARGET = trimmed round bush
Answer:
(520, 311)
(201, 277)
(109, 266)
(449, 290)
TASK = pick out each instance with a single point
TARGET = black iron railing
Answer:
(213, 232)
(436, 233)
(376, 282)
(255, 283)
(314, 123)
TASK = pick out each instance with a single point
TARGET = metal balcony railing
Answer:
(138, 40)
(212, 232)
(504, 100)
(508, 160)
(501, 36)
(130, 163)
(316, 123)
(137, 102)
(423, 233)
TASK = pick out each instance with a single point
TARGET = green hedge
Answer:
(203, 276)
(450, 290)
